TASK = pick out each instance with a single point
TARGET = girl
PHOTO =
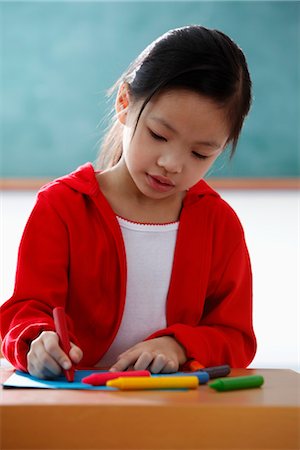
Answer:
(149, 262)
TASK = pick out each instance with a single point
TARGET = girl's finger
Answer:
(170, 367)
(124, 362)
(158, 363)
(132, 358)
(52, 348)
(143, 361)
(45, 373)
(45, 363)
(42, 367)
(76, 353)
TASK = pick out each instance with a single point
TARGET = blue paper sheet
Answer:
(23, 380)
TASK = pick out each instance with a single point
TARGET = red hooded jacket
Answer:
(72, 254)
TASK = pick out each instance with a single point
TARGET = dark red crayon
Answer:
(62, 331)
(100, 379)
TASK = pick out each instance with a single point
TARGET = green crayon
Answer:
(235, 383)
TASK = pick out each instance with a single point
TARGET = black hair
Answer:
(193, 57)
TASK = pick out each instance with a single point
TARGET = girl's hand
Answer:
(163, 354)
(46, 359)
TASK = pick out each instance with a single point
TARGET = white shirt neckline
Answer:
(139, 226)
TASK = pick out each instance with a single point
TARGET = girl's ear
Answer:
(122, 103)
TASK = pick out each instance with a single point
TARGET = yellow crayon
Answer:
(165, 382)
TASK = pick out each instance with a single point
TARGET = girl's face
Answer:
(178, 137)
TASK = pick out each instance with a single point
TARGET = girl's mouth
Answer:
(160, 183)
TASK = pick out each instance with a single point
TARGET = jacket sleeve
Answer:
(41, 283)
(224, 334)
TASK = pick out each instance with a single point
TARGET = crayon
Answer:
(139, 383)
(62, 331)
(213, 372)
(234, 383)
(202, 376)
(195, 366)
(217, 371)
(192, 365)
(100, 379)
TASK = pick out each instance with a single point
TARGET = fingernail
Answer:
(76, 359)
(66, 365)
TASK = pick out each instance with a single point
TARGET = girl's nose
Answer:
(171, 162)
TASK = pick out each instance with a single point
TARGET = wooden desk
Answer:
(263, 418)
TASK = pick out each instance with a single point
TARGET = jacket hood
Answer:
(84, 181)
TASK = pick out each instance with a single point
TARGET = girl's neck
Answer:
(126, 201)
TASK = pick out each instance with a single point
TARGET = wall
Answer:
(61, 57)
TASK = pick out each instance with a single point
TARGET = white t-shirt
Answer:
(149, 254)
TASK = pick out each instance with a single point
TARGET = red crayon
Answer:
(100, 379)
(192, 365)
(195, 365)
(62, 331)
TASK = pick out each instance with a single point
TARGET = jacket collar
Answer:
(84, 181)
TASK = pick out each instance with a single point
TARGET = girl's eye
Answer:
(199, 156)
(157, 136)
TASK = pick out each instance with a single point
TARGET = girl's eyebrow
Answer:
(171, 128)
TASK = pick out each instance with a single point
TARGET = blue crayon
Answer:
(202, 376)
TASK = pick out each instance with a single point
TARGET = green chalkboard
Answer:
(59, 58)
